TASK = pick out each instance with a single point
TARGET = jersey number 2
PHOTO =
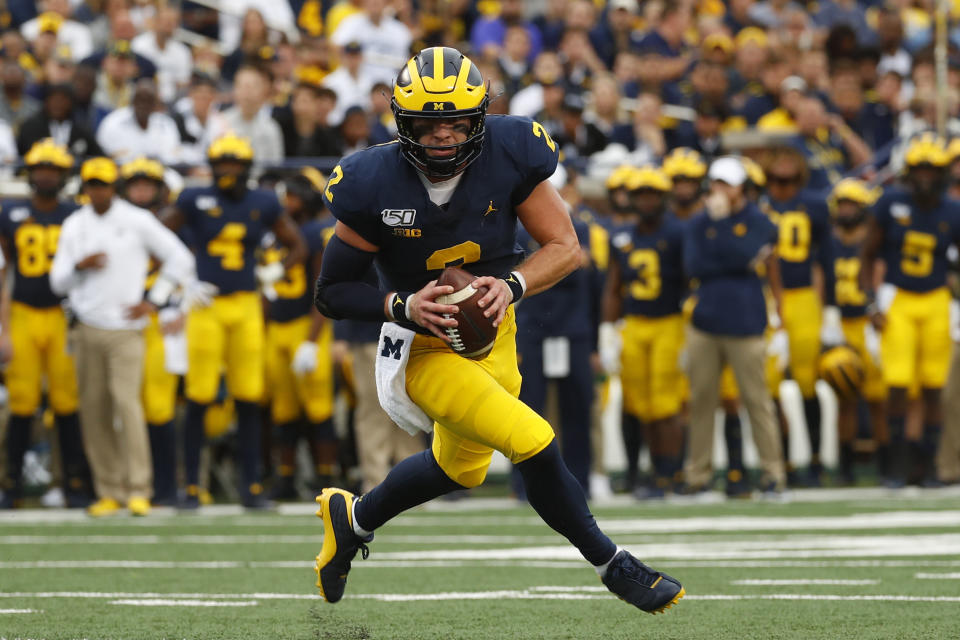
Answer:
(456, 255)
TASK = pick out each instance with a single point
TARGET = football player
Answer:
(144, 186)
(686, 169)
(846, 322)
(450, 192)
(912, 230)
(227, 222)
(34, 326)
(645, 285)
(299, 364)
(804, 238)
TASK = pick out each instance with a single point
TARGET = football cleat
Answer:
(103, 507)
(340, 543)
(637, 584)
(138, 506)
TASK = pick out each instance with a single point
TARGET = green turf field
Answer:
(830, 564)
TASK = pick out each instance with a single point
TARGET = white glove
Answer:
(831, 330)
(955, 320)
(871, 341)
(305, 358)
(609, 347)
(268, 274)
(779, 347)
(885, 295)
(198, 294)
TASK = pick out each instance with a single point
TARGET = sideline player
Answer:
(34, 325)
(912, 230)
(227, 221)
(450, 192)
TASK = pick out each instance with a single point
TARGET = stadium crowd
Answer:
(819, 115)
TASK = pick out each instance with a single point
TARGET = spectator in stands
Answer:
(101, 265)
(248, 118)
(354, 131)
(830, 145)
(514, 59)
(254, 36)
(142, 129)
(57, 119)
(529, 101)
(304, 125)
(56, 19)
(580, 61)
(775, 70)
(351, 82)
(605, 112)
(703, 134)
(551, 24)
(115, 82)
(648, 136)
(663, 57)
(578, 137)
(8, 146)
(172, 58)
(15, 105)
(772, 14)
(488, 35)
(277, 16)
(192, 115)
(615, 32)
(88, 113)
(893, 56)
(385, 40)
(873, 120)
(383, 126)
(737, 16)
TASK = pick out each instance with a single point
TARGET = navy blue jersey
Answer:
(226, 233)
(33, 237)
(565, 309)
(845, 291)
(718, 254)
(915, 241)
(378, 194)
(295, 290)
(652, 282)
(804, 232)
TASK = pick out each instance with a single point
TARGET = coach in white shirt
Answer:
(385, 40)
(351, 82)
(173, 59)
(140, 129)
(101, 265)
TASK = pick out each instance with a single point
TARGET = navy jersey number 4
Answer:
(378, 194)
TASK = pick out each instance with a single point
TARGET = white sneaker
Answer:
(53, 499)
(600, 489)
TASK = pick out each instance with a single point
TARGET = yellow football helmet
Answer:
(684, 162)
(953, 149)
(649, 177)
(439, 82)
(142, 167)
(855, 191)
(230, 148)
(755, 174)
(842, 368)
(927, 149)
(618, 177)
(48, 153)
(307, 185)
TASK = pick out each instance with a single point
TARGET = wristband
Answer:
(398, 305)
(518, 286)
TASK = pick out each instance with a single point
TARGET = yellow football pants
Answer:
(227, 335)
(474, 405)
(650, 373)
(292, 395)
(916, 342)
(874, 389)
(802, 313)
(39, 340)
(159, 385)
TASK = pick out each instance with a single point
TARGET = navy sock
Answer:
(413, 481)
(733, 433)
(76, 471)
(164, 455)
(632, 431)
(193, 440)
(248, 442)
(899, 462)
(557, 497)
(811, 413)
(18, 441)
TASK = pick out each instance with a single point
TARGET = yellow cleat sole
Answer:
(675, 600)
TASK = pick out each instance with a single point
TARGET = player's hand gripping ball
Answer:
(474, 334)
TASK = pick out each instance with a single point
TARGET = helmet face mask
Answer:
(46, 180)
(231, 176)
(849, 214)
(648, 204)
(440, 86)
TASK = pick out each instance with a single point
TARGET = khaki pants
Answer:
(109, 373)
(746, 356)
(380, 443)
(948, 451)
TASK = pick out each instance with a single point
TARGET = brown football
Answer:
(474, 334)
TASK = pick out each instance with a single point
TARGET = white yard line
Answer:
(937, 576)
(15, 611)
(760, 582)
(163, 602)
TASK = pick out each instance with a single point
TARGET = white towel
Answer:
(174, 344)
(393, 353)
